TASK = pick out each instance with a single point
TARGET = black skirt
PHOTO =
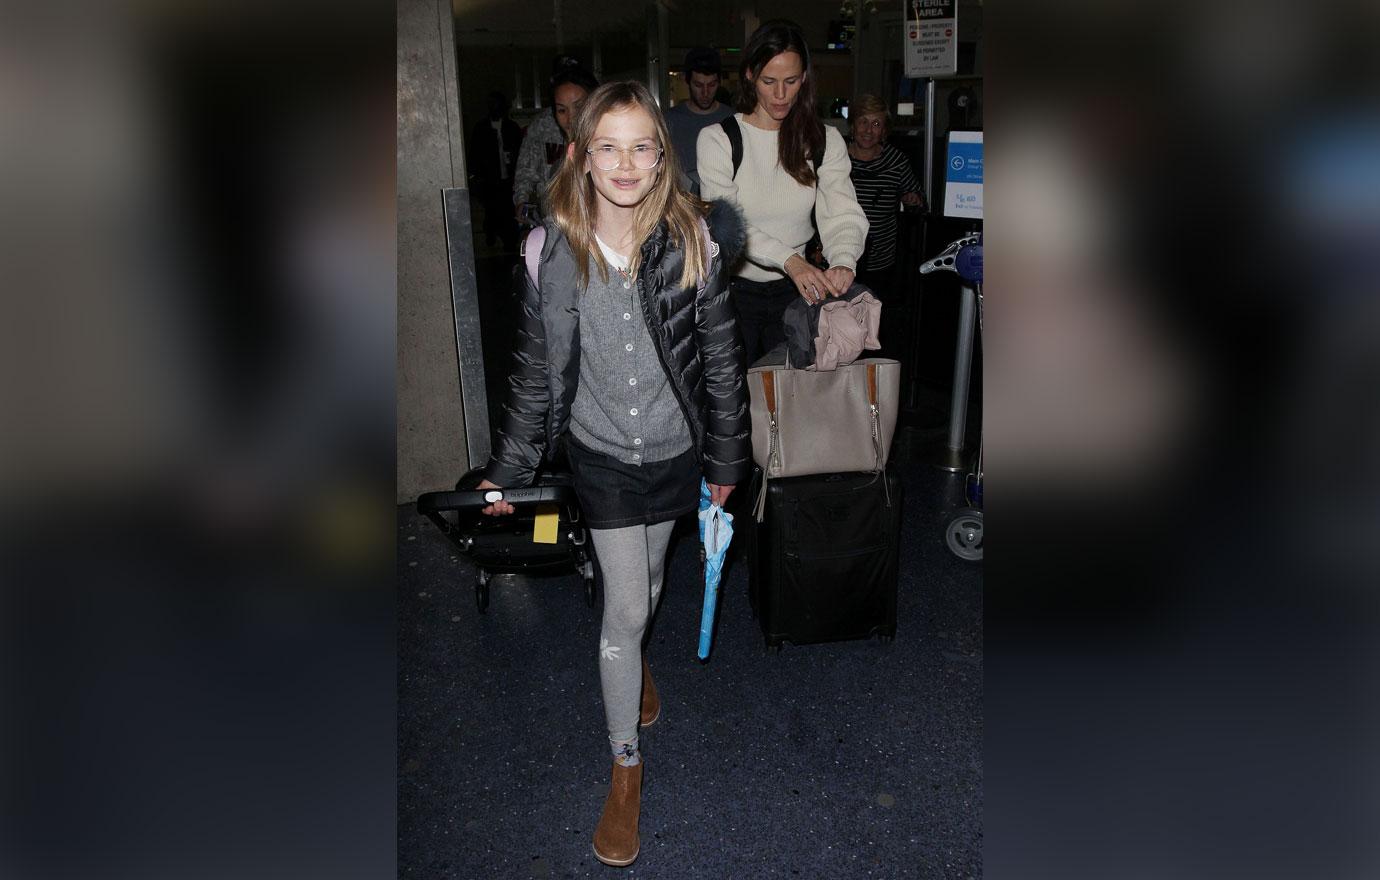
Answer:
(615, 495)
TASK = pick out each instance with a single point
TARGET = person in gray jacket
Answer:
(543, 145)
(628, 348)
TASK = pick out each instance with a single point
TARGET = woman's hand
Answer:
(718, 494)
(912, 198)
(840, 278)
(498, 508)
(812, 284)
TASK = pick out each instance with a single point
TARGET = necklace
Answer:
(624, 273)
(609, 255)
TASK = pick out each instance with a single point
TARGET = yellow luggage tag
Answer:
(544, 525)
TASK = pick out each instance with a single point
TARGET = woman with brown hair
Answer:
(791, 165)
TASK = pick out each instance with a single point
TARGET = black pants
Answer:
(761, 305)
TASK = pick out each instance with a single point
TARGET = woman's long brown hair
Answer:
(574, 203)
(802, 134)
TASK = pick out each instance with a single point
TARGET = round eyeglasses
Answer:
(607, 158)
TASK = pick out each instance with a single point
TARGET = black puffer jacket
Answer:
(697, 341)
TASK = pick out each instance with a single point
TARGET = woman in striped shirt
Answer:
(883, 180)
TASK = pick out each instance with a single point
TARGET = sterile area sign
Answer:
(963, 175)
(931, 38)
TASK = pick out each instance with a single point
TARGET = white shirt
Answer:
(777, 207)
(617, 261)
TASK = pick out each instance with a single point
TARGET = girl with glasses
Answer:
(628, 350)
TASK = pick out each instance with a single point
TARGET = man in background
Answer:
(702, 72)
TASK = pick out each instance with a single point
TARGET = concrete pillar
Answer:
(431, 427)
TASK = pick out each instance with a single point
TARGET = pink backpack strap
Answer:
(531, 251)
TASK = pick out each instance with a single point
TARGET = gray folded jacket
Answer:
(832, 333)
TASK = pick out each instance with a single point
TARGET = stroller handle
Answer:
(435, 502)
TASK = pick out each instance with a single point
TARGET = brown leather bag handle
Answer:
(872, 384)
(769, 390)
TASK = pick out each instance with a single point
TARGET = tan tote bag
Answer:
(822, 422)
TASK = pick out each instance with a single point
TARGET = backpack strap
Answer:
(735, 140)
(531, 251)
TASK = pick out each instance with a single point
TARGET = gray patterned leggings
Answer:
(633, 561)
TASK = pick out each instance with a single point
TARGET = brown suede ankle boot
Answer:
(615, 840)
(651, 701)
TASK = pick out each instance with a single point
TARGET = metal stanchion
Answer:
(954, 457)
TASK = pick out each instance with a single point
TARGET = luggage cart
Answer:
(963, 533)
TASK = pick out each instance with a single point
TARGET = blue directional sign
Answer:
(963, 175)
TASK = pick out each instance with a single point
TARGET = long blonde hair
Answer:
(573, 201)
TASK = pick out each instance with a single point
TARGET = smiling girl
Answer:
(628, 349)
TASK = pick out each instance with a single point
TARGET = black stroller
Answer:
(508, 544)
(524, 542)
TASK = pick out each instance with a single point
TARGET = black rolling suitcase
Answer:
(823, 562)
(504, 544)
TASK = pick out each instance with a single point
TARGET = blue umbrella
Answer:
(716, 531)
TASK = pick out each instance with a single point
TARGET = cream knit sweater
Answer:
(776, 207)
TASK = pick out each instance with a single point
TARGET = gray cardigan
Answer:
(624, 405)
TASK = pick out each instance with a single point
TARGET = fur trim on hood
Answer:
(729, 230)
